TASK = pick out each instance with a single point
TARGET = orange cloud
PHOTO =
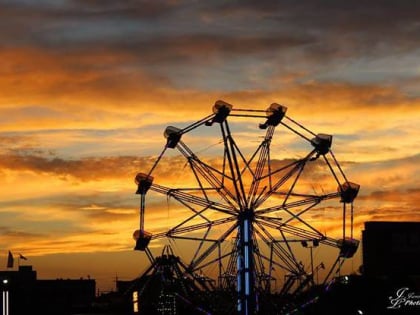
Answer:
(52, 90)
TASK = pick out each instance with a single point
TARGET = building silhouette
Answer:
(391, 262)
(28, 295)
(391, 249)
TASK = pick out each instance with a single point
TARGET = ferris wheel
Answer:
(245, 213)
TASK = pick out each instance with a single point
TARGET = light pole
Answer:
(320, 266)
(5, 297)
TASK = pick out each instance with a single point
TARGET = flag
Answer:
(22, 257)
(10, 260)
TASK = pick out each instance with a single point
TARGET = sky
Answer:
(87, 89)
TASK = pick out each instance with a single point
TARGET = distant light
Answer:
(135, 301)
(360, 312)
(5, 281)
(345, 280)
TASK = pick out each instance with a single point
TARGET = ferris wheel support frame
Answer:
(245, 207)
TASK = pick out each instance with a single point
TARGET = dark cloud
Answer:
(374, 22)
(410, 197)
(321, 29)
(7, 232)
(135, 9)
(90, 168)
(383, 215)
(89, 9)
(407, 162)
(84, 169)
(72, 23)
(108, 215)
(192, 47)
(9, 141)
(215, 42)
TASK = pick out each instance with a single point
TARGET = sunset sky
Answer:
(87, 88)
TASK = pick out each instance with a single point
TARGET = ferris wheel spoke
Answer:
(273, 263)
(190, 155)
(289, 192)
(332, 170)
(272, 219)
(212, 247)
(179, 230)
(298, 215)
(348, 190)
(196, 214)
(180, 195)
(278, 251)
(263, 159)
(202, 171)
(338, 166)
(294, 171)
(197, 124)
(201, 243)
(233, 164)
(303, 234)
(210, 262)
(311, 199)
(271, 173)
(308, 235)
(246, 163)
(285, 241)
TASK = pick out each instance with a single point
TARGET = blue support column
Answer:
(245, 277)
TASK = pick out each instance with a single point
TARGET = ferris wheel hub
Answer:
(247, 214)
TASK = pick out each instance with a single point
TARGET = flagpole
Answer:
(21, 257)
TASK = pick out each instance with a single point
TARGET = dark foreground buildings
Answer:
(391, 249)
(23, 293)
(388, 284)
(389, 279)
